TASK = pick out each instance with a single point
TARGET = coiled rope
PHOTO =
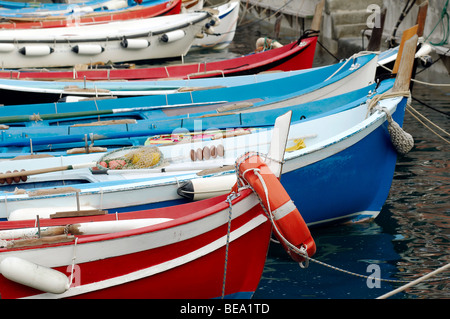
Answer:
(402, 141)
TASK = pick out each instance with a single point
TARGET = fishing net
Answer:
(134, 157)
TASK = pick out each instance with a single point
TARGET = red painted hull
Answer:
(173, 271)
(167, 8)
(287, 58)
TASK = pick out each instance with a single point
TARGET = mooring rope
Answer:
(415, 282)
(225, 267)
(410, 110)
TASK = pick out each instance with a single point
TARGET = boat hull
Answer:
(157, 38)
(293, 56)
(346, 185)
(224, 32)
(155, 264)
(331, 181)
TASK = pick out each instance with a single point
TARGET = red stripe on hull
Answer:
(287, 58)
(200, 278)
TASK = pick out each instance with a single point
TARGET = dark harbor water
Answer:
(410, 237)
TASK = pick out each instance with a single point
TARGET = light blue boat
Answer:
(161, 114)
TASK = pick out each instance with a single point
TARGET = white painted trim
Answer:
(252, 224)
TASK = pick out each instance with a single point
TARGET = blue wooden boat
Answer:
(330, 180)
(332, 166)
(162, 116)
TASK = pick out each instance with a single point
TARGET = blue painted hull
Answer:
(335, 179)
(163, 121)
(351, 185)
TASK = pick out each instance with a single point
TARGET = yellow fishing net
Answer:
(135, 157)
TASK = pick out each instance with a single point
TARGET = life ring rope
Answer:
(273, 215)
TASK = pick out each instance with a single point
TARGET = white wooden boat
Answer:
(223, 30)
(119, 41)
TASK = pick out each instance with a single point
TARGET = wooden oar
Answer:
(23, 173)
(56, 116)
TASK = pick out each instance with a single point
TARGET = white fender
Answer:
(88, 49)
(173, 36)
(424, 50)
(135, 44)
(36, 50)
(114, 5)
(33, 275)
(202, 188)
(6, 47)
(82, 10)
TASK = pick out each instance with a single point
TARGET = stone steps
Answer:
(349, 18)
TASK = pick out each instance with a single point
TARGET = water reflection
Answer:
(419, 200)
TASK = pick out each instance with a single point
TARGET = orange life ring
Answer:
(286, 217)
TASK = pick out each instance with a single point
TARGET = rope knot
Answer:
(35, 117)
(403, 142)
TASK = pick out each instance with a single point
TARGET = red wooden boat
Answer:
(294, 56)
(207, 249)
(158, 9)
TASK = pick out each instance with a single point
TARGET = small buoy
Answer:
(172, 36)
(9, 180)
(135, 44)
(23, 177)
(33, 275)
(36, 50)
(17, 178)
(6, 47)
(88, 49)
(209, 29)
(213, 151)
(206, 153)
(220, 150)
(199, 154)
(193, 156)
